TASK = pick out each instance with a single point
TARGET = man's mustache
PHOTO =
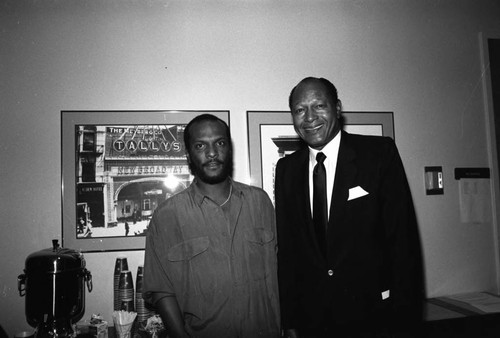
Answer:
(212, 162)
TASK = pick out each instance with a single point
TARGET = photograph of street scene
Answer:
(123, 172)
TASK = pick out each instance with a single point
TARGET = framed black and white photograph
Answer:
(117, 167)
(271, 136)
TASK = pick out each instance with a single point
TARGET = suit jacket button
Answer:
(330, 272)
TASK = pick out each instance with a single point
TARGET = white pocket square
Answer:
(356, 192)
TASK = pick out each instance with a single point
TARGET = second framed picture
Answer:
(271, 136)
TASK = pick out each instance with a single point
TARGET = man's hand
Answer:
(171, 315)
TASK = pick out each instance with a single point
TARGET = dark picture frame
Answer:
(117, 167)
(271, 136)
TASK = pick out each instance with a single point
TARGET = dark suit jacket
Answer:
(373, 242)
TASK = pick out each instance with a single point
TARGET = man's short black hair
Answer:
(200, 118)
(330, 89)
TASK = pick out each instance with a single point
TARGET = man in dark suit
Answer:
(350, 262)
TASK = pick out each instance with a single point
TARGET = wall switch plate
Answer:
(433, 177)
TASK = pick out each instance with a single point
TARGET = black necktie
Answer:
(320, 205)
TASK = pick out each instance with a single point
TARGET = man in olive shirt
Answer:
(210, 262)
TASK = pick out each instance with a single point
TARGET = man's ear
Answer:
(339, 108)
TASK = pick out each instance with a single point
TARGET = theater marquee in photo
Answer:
(121, 167)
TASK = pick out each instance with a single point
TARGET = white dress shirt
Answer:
(331, 150)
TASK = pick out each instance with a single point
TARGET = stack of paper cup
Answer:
(120, 265)
(126, 290)
(142, 309)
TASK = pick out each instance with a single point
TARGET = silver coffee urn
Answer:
(53, 283)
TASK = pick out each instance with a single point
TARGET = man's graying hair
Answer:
(330, 88)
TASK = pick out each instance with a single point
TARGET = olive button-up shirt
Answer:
(221, 267)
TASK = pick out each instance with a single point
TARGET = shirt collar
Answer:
(198, 196)
(331, 149)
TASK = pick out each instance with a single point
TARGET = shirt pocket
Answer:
(260, 251)
(188, 249)
(189, 267)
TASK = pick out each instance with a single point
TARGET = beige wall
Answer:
(419, 59)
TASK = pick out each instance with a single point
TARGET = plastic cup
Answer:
(121, 264)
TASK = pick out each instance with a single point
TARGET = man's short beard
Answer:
(200, 174)
(213, 179)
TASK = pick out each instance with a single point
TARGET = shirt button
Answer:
(330, 272)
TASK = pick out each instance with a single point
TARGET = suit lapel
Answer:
(303, 199)
(302, 179)
(345, 175)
